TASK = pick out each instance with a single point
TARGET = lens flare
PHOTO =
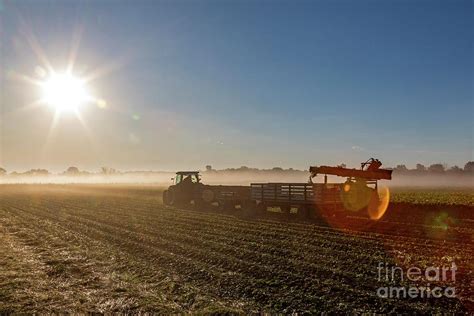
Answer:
(101, 103)
(379, 203)
(438, 224)
(356, 195)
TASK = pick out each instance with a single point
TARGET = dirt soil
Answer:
(91, 248)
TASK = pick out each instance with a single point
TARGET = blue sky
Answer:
(231, 83)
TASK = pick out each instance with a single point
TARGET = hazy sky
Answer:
(231, 83)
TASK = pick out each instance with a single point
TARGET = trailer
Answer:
(305, 198)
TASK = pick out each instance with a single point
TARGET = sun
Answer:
(64, 92)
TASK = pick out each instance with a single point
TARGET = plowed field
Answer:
(116, 248)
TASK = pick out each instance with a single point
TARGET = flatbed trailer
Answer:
(295, 193)
(306, 198)
(226, 196)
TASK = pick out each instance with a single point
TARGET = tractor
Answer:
(188, 190)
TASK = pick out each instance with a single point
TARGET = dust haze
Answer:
(225, 177)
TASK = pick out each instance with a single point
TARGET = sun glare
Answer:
(64, 92)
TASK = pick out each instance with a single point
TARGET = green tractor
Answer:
(187, 189)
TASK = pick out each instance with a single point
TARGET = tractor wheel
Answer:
(165, 197)
(170, 197)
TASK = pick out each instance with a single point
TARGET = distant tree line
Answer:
(248, 169)
(71, 171)
(437, 168)
(420, 169)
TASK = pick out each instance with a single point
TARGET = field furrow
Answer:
(105, 250)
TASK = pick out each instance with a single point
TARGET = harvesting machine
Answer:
(310, 199)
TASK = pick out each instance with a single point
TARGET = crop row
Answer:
(183, 260)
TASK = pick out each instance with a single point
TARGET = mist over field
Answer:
(163, 178)
(302, 177)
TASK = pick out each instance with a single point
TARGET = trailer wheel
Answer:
(261, 209)
(303, 212)
(201, 205)
(314, 214)
(249, 208)
(286, 209)
(219, 207)
(229, 207)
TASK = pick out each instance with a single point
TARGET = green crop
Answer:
(440, 196)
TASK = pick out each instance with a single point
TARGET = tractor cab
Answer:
(187, 177)
(186, 187)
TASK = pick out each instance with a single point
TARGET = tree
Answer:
(401, 168)
(208, 168)
(420, 167)
(469, 166)
(108, 170)
(436, 168)
(72, 171)
(455, 169)
(2, 171)
(37, 172)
